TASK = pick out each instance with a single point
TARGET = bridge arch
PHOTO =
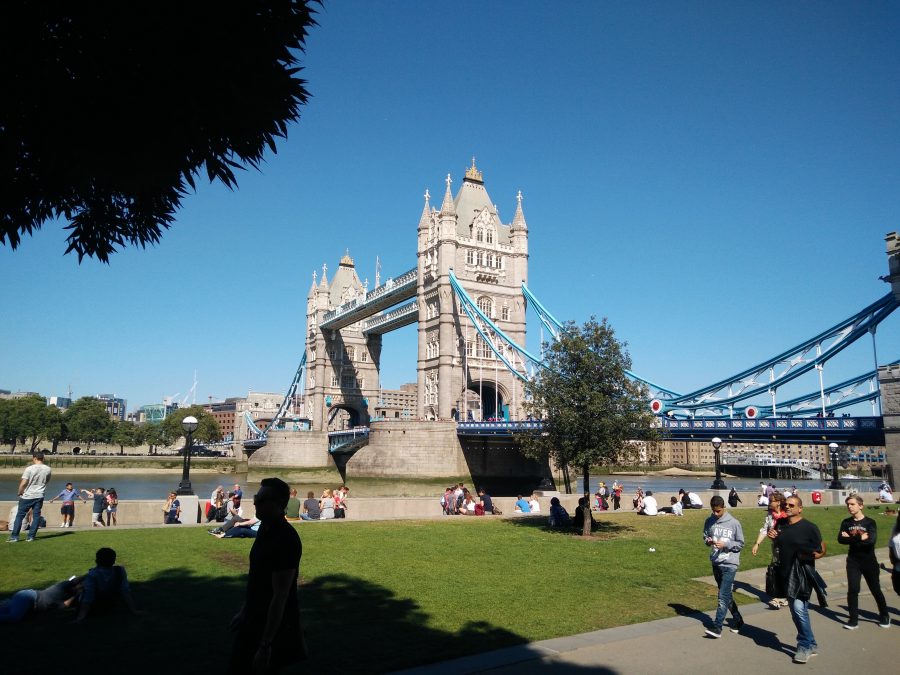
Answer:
(347, 415)
(485, 399)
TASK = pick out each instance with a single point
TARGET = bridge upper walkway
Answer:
(391, 293)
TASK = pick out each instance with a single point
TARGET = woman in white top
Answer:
(534, 504)
(326, 504)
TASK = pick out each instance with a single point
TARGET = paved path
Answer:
(679, 645)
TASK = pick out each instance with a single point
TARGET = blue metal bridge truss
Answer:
(722, 408)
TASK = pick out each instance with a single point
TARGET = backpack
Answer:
(479, 509)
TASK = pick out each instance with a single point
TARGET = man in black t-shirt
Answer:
(268, 634)
(798, 539)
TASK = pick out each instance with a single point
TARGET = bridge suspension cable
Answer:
(285, 403)
(790, 364)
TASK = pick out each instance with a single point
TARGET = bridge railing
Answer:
(775, 423)
(498, 427)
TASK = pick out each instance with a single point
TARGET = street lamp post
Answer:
(835, 482)
(718, 483)
(189, 424)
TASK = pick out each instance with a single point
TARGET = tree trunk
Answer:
(588, 519)
(566, 479)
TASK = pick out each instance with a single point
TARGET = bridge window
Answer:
(490, 236)
(478, 258)
(351, 353)
(348, 381)
(432, 310)
(363, 355)
(479, 236)
(470, 348)
(486, 305)
(504, 313)
(470, 257)
(334, 380)
(361, 382)
(499, 262)
(490, 260)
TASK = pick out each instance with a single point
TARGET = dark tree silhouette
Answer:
(109, 110)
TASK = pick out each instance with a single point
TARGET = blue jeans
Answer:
(800, 615)
(24, 505)
(724, 575)
(18, 606)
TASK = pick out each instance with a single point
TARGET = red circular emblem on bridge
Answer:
(656, 406)
(751, 412)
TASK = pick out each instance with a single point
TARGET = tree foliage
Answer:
(28, 420)
(86, 420)
(207, 426)
(111, 109)
(592, 412)
(127, 434)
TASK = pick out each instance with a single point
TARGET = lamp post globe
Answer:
(718, 483)
(189, 424)
(834, 451)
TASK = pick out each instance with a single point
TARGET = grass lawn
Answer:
(376, 596)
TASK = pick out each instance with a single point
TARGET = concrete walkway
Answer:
(678, 645)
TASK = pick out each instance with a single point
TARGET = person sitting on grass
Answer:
(650, 507)
(522, 505)
(675, 507)
(27, 602)
(468, 507)
(311, 509)
(105, 585)
(534, 504)
(246, 529)
(559, 517)
(292, 510)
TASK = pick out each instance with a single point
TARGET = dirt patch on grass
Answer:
(230, 559)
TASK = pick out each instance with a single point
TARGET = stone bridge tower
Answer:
(458, 374)
(342, 365)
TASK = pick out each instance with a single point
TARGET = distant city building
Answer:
(225, 413)
(397, 403)
(114, 406)
(700, 453)
(61, 402)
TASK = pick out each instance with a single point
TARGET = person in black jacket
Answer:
(860, 533)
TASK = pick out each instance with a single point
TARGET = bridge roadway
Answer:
(843, 430)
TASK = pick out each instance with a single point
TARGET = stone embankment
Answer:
(149, 512)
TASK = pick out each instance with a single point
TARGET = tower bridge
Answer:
(468, 296)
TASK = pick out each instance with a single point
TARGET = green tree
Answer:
(33, 420)
(593, 413)
(207, 426)
(8, 432)
(111, 111)
(127, 434)
(87, 421)
(155, 435)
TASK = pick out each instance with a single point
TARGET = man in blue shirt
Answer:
(522, 505)
(68, 496)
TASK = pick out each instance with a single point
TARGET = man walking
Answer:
(722, 532)
(31, 496)
(268, 635)
(800, 540)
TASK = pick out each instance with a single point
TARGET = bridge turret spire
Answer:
(447, 208)
(518, 221)
(425, 220)
(312, 289)
(324, 283)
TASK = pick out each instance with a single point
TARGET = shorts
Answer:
(98, 516)
(67, 509)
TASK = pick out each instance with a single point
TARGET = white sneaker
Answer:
(62, 524)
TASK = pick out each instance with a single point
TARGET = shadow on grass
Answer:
(603, 529)
(351, 624)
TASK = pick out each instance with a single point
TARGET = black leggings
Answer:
(866, 567)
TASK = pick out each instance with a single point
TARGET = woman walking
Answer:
(860, 532)
(775, 513)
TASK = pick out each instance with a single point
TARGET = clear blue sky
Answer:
(715, 178)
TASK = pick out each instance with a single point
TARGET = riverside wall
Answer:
(149, 512)
(306, 449)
